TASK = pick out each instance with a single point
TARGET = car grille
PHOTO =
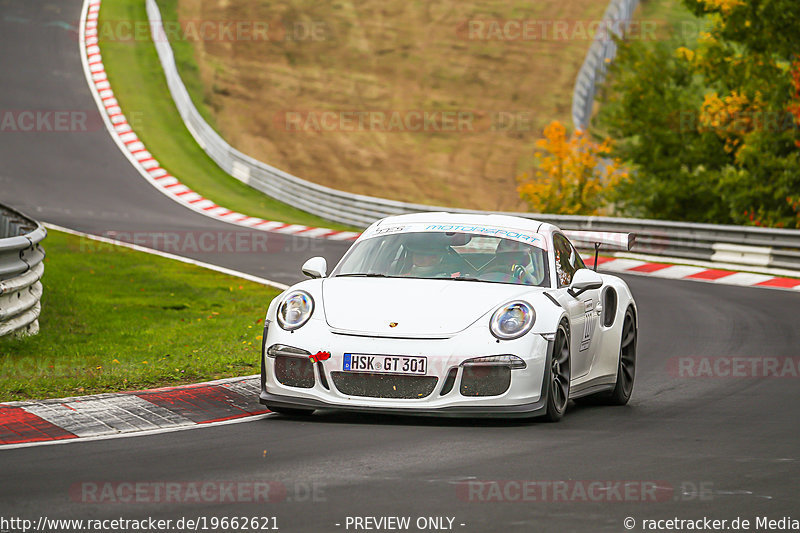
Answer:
(294, 371)
(485, 380)
(383, 385)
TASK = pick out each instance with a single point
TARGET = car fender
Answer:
(549, 313)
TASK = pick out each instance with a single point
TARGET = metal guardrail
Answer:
(21, 269)
(602, 51)
(742, 245)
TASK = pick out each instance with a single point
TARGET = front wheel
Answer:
(558, 376)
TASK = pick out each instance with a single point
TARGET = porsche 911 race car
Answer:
(453, 314)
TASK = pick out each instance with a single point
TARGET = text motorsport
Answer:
(400, 523)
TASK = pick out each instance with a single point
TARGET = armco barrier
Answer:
(602, 51)
(741, 245)
(21, 268)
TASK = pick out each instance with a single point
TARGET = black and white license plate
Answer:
(385, 364)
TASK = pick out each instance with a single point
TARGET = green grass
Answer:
(140, 87)
(115, 319)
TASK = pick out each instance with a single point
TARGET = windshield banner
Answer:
(514, 234)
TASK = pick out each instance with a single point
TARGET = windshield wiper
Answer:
(363, 275)
(456, 278)
(465, 278)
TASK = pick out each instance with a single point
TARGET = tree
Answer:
(709, 126)
(572, 177)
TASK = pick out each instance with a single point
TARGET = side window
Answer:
(579, 264)
(567, 260)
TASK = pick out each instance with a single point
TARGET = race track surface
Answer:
(80, 179)
(714, 446)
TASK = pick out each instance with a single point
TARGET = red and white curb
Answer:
(103, 416)
(125, 414)
(136, 152)
(693, 273)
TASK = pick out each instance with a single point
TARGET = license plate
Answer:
(385, 364)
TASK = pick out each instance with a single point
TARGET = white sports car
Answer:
(453, 314)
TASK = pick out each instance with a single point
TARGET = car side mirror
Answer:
(584, 280)
(316, 267)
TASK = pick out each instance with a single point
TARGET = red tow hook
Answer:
(320, 356)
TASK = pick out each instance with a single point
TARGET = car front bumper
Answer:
(524, 397)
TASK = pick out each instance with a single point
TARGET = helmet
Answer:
(426, 243)
(428, 250)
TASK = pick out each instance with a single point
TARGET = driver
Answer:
(513, 260)
(428, 257)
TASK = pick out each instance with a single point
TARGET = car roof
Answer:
(471, 219)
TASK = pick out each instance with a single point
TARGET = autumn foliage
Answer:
(573, 177)
(794, 105)
(710, 120)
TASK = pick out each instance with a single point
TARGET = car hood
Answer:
(418, 307)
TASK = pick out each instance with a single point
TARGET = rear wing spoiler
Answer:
(609, 239)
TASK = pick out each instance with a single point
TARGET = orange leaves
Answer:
(572, 175)
(758, 218)
(723, 6)
(794, 106)
(732, 117)
(685, 53)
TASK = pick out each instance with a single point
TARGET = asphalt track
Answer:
(719, 447)
(80, 179)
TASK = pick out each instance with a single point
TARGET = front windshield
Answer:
(439, 255)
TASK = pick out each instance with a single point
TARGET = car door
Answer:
(582, 311)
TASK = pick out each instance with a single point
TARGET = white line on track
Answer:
(168, 255)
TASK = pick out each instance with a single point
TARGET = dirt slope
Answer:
(290, 95)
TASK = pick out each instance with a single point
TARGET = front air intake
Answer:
(294, 371)
(487, 380)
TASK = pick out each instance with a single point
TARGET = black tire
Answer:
(558, 376)
(626, 369)
(290, 411)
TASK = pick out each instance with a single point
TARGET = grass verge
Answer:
(140, 87)
(114, 319)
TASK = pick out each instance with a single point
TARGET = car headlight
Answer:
(513, 320)
(295, 310)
